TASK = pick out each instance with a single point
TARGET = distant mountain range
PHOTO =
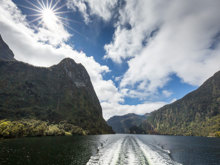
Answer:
(196, 114)
(122, 124)
(61, 95)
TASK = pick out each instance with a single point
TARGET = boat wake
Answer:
(130, 150)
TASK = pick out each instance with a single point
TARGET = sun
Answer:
(49, 17)
(47, 13)
(50, 14)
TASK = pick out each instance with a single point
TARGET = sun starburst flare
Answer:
(49, 14)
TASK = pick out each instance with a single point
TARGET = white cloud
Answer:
(101, 8)
(81, 6)
(117, 79)
(167, 93)
(164, 38)
(136, 22)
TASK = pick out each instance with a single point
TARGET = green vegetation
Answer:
(209, 127)
(196, 114)
(30, 127)
(217, 134)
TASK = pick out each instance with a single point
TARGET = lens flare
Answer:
(49, 18)
(50, 15)
(47, 13)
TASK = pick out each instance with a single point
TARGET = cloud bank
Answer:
(101, 8)
(161, 38)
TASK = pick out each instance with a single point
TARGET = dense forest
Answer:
(31, 127)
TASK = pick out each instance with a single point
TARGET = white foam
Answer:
(107, 156)
(130, 150)
(130, 153)
(131, 157)
(154, 157)
(167, 151)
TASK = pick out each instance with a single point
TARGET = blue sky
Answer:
(140, 55)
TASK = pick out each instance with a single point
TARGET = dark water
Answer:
(110, 149)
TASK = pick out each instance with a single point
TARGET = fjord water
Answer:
(110, 149)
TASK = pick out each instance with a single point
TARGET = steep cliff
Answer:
(60, 93)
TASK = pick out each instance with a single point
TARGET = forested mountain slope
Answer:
(61, 94)
(198, 113)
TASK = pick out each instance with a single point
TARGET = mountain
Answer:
(196, 114)
(123, 124)
(61, 95)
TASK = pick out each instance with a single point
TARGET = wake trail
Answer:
(130, 150)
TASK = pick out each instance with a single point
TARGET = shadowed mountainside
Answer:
(123, 124)
(62, 93)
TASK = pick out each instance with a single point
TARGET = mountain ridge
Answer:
(123, 123)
